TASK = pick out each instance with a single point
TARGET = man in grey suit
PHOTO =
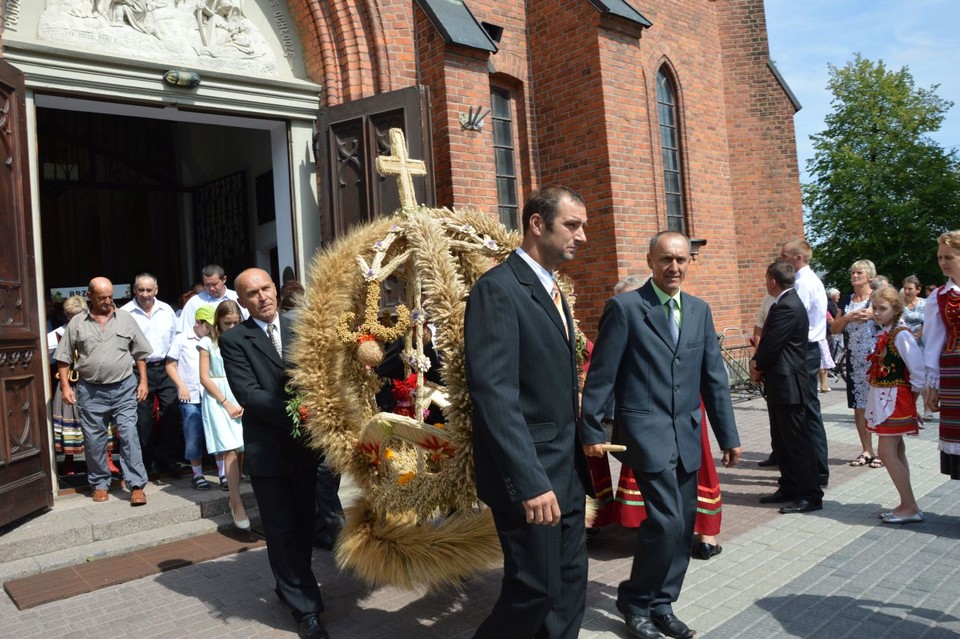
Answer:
(530, 468)
(657, 355)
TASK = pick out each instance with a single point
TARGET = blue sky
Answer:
(922, 35)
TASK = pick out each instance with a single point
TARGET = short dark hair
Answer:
(140, 276)
(291, 295)
(782, 273)
(214, 269)
(546, 201)
(912, 279)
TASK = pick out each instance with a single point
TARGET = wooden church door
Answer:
(25, 473)
(348, 140)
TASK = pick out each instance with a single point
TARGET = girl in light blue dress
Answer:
(222, 427)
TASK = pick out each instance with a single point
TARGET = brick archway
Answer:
(356, 48)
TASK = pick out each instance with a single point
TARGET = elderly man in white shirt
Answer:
(160, 442)
(214, 291)
(814, 297)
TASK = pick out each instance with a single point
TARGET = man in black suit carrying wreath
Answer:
(530, 467)
(282, 468)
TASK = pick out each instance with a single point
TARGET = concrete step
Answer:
(77, 530)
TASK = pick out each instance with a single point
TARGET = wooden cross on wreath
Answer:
(399, 163)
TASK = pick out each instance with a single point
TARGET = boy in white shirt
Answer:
(183, 368)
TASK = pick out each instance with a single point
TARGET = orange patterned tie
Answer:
(557, 301)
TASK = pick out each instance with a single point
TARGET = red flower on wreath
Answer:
(370, 450)
(404, 392)
(438, 449)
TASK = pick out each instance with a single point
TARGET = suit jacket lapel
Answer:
(286, 334)
(258, 338)
(656, 316)
(528, 278)
(691, 318)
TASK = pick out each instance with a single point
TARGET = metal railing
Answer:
(736, 351)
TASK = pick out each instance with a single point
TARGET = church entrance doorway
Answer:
(125, 189)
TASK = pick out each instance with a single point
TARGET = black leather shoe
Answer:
(824, 481)
(311, 628)
(641, 627)
(769, 461)
(706, 551)
(669, 625)
(776, 498)
(800, 506)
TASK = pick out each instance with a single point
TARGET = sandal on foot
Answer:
(862, 459)
(224, 486)
(876, 462)
(200, 483)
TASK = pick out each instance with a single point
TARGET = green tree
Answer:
(882, 189)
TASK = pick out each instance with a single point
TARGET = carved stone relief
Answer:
(211, 33)
(11, 15)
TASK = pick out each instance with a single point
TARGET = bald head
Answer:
(100, 296)
(668, 259)
(257, 293)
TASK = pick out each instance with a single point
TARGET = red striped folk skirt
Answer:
(630, 509)
(950, 410)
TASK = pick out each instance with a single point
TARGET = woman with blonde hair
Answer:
(856, 322)
(941, 353)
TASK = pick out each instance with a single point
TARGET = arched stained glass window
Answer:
(505, 157)
(670, 145)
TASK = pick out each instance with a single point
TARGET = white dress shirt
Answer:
(184, 351)
(814, 298)
(160, 327)
(276, 326)
(190, 308)
(934, 335)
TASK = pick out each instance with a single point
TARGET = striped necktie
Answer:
(672, 320)
(558, 302)
(272, 334)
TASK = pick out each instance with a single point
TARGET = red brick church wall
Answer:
(586, 117)
(586, 105)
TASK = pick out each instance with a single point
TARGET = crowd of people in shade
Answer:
(141, 381)
(157, 386)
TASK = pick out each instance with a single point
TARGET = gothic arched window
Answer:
(670, 155)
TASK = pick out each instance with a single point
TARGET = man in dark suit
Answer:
(657, 355)
(282, 469)
(780, 361)
(530, 468)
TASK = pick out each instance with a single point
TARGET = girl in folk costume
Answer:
(941, 354)
(896, 377)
